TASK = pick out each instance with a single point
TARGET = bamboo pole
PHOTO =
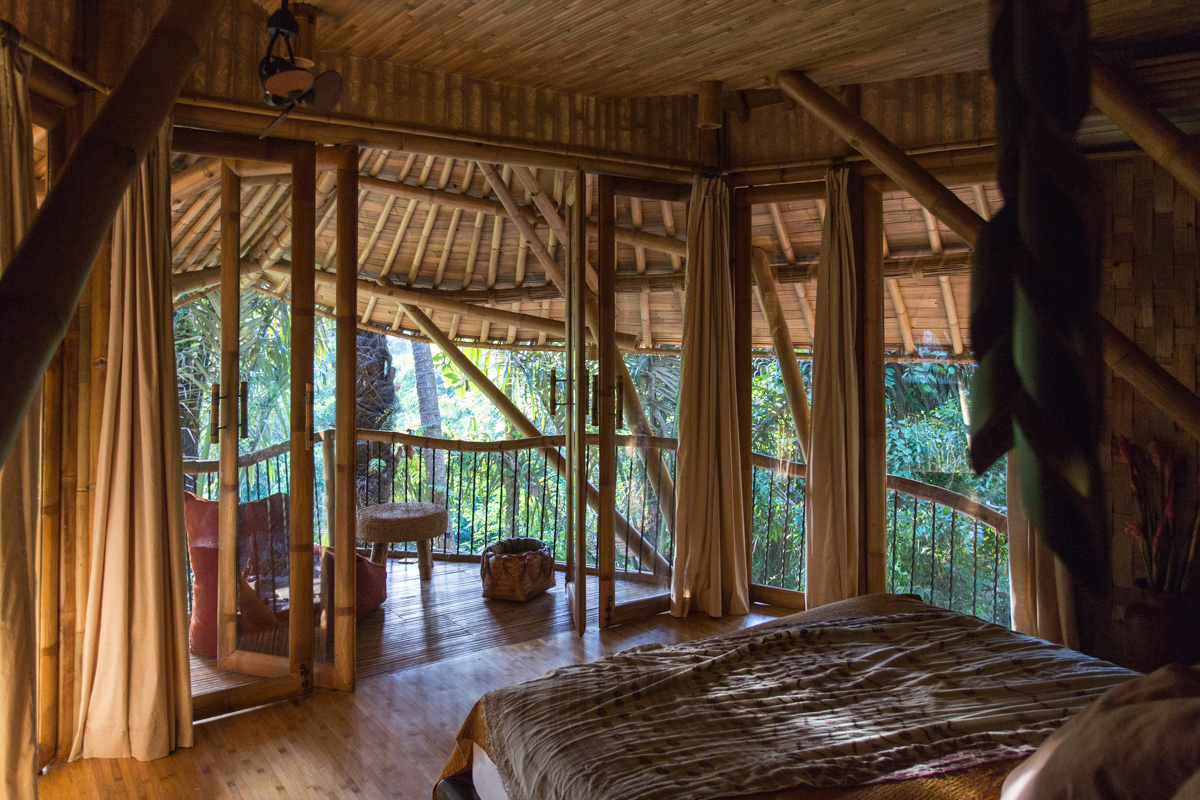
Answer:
(629, 236)
(336, 129)
(34, 312)
(304, 202)
(606, 379)
(625, 531)
(431, 299)
(49, 555)
(1170, 147)
(1154, 382)
(781, 337)
(202, 175)
(227, 414)
(344, 532)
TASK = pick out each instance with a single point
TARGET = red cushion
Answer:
(263, 558)
(370, 582)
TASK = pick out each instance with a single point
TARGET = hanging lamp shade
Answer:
(290, 82)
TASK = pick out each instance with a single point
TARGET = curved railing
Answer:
(944, 546)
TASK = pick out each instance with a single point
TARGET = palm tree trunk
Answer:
(428, 387)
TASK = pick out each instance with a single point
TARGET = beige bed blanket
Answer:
(798, 703)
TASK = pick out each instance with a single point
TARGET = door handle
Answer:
(620, 402)
(244, 410)
(308, 416)
(596, 401)
(214, 420)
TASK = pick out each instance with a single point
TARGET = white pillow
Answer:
(1140, 740)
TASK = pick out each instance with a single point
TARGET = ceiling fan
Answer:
(286, 78)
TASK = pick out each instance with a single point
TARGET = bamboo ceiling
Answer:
(615, 48)
(418, 245)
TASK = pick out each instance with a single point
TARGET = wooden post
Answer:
(1142, 372)
(300, 564)
(576, 407)
(872, 568)
(781, 337)
(344, 537)
(227, 555)
(625, 531)
(740, 272)
(75, 216)
(606, 376)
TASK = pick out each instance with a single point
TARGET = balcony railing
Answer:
(948, 548)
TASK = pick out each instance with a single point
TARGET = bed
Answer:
(874, 698)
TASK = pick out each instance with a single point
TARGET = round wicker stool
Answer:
(402, 522)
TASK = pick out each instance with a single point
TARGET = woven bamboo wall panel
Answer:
(50, 23)
(912, 112)
(1149, 292)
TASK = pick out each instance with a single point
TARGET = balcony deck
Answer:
(421, 623)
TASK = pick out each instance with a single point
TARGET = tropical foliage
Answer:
(945, 558)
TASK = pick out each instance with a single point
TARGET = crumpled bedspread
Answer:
(839, 703)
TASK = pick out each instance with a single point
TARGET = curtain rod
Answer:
(9, 33)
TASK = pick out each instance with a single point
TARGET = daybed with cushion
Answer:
(875, 698)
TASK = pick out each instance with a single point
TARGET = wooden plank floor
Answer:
(438, 647)
(424, 622)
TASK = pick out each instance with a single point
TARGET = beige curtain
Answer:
(836, 536)
(136, 698)
(19, 474)
(1043, 599)
(712, 571)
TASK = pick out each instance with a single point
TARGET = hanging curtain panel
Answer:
(1043, 596)
(19, 507)
(136, 699)
(712, 546)
(836, 530)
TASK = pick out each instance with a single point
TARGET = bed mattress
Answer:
(878, 697)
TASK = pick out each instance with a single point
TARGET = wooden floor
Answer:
(423, 622)
(429, 655)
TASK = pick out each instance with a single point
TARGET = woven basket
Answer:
(516, 569)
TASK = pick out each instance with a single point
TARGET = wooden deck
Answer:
(428, 656)
(421, 623)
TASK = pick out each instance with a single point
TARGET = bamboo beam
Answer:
(789, 254)
(890, 159)
(629, 236)
(199, 112)
(956, 342)
(623, 529)
(1123, 356)
(35, 313)
(204, 174)
(606, 390)
(227, 551)
(345, 486)
(781, 337)
(304, 223)
(432, 300)
(1170, 147)
(893, 287)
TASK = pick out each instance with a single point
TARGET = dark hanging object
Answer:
(1035, 283)
(286, 78)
